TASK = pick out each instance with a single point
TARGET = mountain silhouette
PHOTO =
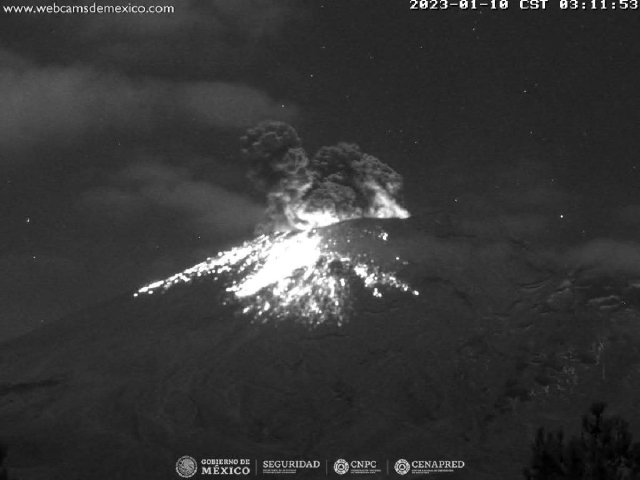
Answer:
(496, 341)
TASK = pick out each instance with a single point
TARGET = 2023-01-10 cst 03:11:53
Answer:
(476, 4)
(524, 4)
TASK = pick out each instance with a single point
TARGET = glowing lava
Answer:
(298, 275)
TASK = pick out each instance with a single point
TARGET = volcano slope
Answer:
(497, 343)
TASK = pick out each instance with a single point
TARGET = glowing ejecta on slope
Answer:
(284, 258)
(290, 275)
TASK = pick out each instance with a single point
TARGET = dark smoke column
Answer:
(277, 167)
(338, 183)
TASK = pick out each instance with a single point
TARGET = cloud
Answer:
(607, 256)
(629, 215)
(524, 199)
(140, 74)
(48, 104)
(520, 225)
(214, 37)
(36, 288)
(58, 105)
(253, 19)
(258, 18)
(544, 196)
(25, 269)
(147, 187)
(224, 104)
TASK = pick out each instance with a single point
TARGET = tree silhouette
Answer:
(4, 475)
(604, 451)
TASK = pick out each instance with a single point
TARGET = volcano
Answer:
(385, 339)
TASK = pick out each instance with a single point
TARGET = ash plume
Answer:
(338, 183)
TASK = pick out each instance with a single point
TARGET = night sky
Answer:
(119, 154)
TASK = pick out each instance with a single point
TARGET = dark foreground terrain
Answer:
(499, 341)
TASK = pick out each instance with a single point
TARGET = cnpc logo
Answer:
(341, 466)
